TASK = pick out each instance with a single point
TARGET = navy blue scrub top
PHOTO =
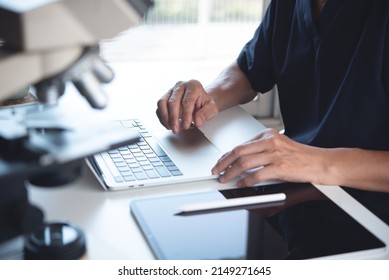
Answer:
(332, 73)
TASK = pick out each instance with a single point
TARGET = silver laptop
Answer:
(161, 158)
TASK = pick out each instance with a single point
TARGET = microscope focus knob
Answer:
(55, 241)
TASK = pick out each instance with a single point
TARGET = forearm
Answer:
(231, 87)
(356, 168)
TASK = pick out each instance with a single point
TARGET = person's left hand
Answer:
(281, 158)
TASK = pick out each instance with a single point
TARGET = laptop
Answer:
(161, 157)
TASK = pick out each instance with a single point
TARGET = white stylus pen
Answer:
(232, 202)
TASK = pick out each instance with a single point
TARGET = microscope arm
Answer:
(20, 70)
(45, 40)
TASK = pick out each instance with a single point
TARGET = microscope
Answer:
(45, 45)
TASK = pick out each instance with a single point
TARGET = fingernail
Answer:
(186, 125)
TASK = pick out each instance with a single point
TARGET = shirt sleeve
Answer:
(256, 59)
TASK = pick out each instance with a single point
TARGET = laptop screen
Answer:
(306, 225)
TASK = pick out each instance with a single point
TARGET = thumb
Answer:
(205, 113)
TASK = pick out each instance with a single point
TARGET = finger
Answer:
(174, 106)
(244, 166)
(188, 104)
(252, 147)
(266, 134)
(265, 174)
(162, 109)
(158, 113)
(205, 113)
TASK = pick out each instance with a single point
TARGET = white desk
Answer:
(111, 231)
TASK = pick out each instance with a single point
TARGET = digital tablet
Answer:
(304, 224)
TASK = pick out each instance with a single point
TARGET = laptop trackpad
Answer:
(190, 141)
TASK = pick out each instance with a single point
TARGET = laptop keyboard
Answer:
(143, 160)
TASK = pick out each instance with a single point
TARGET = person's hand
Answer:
(281, 159)
(184, 104)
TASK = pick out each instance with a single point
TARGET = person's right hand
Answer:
(184, 104)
